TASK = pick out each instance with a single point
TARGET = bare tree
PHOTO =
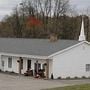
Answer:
(16, 24)
(48, 11)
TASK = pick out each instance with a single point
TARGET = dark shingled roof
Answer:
(42, 47)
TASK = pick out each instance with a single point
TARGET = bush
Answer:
(76, 77)
(7, 71)
(83, 77)
(59, 78)
(68, 77)
(12, 72)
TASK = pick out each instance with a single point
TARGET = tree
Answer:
(40, 18)
(16, 24)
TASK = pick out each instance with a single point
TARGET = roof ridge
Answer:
(35, 39)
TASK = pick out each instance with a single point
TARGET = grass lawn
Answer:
(76, 87)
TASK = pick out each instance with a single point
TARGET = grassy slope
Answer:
(76, 87)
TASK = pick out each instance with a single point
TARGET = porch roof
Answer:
(42, 47)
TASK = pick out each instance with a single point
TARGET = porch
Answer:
(28, 66)
(35, 67)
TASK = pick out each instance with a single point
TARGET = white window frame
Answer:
(87, 67)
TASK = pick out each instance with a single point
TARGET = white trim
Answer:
(24, 55)
(64, 50)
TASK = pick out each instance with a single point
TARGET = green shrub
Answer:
(12, 72)
(83, 77)
(68, 77)
(76, 77)
(59, 78)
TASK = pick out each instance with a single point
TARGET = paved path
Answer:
(10, 82)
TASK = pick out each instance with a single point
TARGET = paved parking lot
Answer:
(11, 82)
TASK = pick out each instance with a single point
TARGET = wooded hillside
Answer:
(40, 18)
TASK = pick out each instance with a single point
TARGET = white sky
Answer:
(6, 6)
(81, 3)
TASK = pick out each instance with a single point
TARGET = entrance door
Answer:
(28, 64)
(37, 67)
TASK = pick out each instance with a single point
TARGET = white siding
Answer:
(50, 67)
(14, 64)
(72, 62)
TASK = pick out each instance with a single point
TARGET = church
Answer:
(60, 58)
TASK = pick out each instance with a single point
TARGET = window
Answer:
(28, 64)
(2, 63)
(21, 63)
(9, 62)
(87, 67)
(44, 65)
(39, 66)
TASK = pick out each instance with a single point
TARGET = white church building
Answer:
(62, 58)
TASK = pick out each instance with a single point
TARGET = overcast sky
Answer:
(6, 6)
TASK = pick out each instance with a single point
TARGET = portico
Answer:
(23, 64)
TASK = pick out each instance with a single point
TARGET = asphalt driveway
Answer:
(11, 82)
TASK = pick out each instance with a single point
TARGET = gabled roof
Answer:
(41, 47)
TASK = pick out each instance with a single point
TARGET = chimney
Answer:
(53, 37)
